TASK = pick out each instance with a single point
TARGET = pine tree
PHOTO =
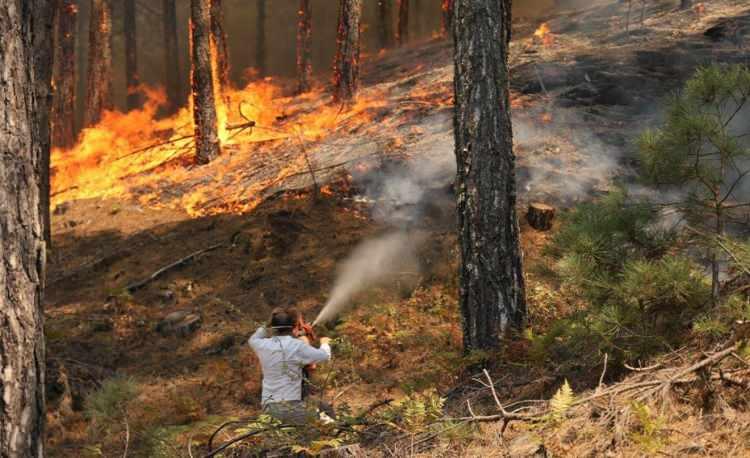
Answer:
(260, 39)
(99, 85)
(402, 31)
(64, 74)
(304, 46)
(219, 45)
(346, 62)
(171, 59)
(26, 61)
(700, 151)
(491, 277)
(207, 147)
(385, 24)
(132, 80)
(446, 18)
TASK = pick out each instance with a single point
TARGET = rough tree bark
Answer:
(172, 64)
(207, 145)
(132, 80)
(26, 60)
(304, 47)
(260, 38)
(491, 277)
(446, 19)
(64, 76)
(385, 24)
(99, 83)
(219, 45)
(402, 30)
(346, 62)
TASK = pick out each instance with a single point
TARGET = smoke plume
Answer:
(372, 263)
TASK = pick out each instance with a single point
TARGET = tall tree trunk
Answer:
(207, 146)
(260, 39)
(25, 57)
(132, 80)
(346, 63)
(402, 32)
(446, 19)
(64, 77)
(219, 45)
(171, 56)
(304, 47)
(491, 277)
(99, 86)
(385, 23)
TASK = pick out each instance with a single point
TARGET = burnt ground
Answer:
(579, 102)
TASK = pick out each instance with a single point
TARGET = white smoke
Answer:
(372, 263)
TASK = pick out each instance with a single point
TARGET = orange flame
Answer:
(137, 155)
(544, 34)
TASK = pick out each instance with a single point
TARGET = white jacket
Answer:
(282, 359)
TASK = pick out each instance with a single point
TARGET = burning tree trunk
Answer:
(346, 63)
(385, 25)
(207, 145)
(219, 45)
(131, 57)
(304, 46)
(172, 64)
(99, 85)
(25, 58)
(63, 106)
(491, 278)
(446, 19)
(402, 31)
(260, 38)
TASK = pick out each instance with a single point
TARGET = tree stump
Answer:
(540, 216)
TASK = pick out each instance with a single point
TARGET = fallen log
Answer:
(141, 283)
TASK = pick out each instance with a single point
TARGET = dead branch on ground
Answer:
(140, 284)
(662, 381)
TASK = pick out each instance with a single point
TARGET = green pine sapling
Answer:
(702, 150)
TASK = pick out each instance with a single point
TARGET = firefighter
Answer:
(282, 358)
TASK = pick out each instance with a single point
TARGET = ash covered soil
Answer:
(579, 99)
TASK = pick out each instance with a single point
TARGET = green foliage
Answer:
(597, 237)
(696, 142)
(700, 150)
(106, 407)
(638, 298)
(648, 432)
(415, 412)
(561, 402)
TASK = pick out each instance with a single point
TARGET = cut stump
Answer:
(540, 216)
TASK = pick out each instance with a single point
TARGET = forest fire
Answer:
(544, 34)
(140, 155)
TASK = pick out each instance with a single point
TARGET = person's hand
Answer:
(325, 340)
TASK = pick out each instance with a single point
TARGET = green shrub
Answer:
(637, 298)
(106, 407)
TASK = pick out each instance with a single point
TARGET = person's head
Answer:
(283, 321)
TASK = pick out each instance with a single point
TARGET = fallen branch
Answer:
(679, 377)
(140, 284)
(242, 437)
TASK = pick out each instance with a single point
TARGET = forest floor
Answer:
(579, 97)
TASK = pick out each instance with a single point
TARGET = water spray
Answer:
(373, 262)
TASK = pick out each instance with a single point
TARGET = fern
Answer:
(561, 402)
